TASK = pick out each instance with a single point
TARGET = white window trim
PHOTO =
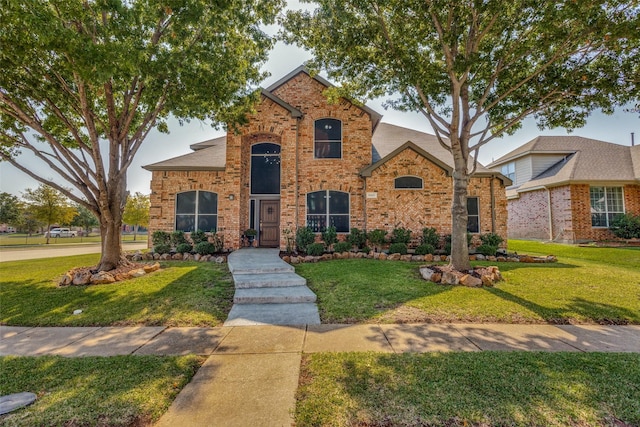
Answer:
(341, 139)
(409, 189)
(195, 213)
(624, 209)
(327, 213)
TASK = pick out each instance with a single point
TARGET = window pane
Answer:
(328, 150)
(340, 222)
(265, 148)
(338, 202)
(598, 219)
(614, 199)
(185, 223)
(317, 203)
(597, 199)
(208, 222)
(265, 174)
(472, 205)
(408, 182)
(207, 202)
(186, 203)
(328, 130)
(473, 225)
(317, 223)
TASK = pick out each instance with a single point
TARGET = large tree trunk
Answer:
(111, 225)
(459, 215)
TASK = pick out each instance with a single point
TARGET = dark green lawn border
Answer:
(469, 389)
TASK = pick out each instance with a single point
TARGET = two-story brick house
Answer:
(301, 161)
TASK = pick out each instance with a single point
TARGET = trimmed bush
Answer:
(430, 237)
(377, 237)
(199, 236)
(357, 238)
(626, 226)
(487, 250)
(178, 238)
(315, 249)
(205, 248)
(304, 237)
(401, 235)
(329, 236)
(160, 238)
(342, 247)
(162, 249)
(424, 249)
(366, 249)
(491, 239)
(398, 248)
(184, 248)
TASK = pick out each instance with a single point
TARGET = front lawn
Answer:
(469, 389)
(94, 391)
(586, 285)
(180, 294)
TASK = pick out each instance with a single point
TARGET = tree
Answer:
(475, 69)
(49, 206)
(90, 79)
(136, 212)
(9, 209)
(85, 218)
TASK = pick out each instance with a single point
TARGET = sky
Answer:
(616, 128)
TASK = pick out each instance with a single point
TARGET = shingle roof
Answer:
(210, 155)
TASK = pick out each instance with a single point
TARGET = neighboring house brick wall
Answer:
(561, 214)
(529, 216)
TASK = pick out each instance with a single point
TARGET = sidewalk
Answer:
(251, 374)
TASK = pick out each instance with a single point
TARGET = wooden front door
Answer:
(270, 223)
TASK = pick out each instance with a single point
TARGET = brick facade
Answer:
(301, 173)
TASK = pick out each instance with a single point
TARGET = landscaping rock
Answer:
(418, 258)
(82, 277)
(405, 257)
(450, 278)
(66, 280)
(286, 258)
(196, 257)
(157, 256)
(383, 256)
(220, 260)
(470, 281)
(102, 278)
(428, 257)
(150, 268)
(137, 273)
(427, 273)
(473, 257)
(486, 280)
(394, 257)
(480, 257)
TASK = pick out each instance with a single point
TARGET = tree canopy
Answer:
(83, 82)
(476, 69)
(49, 206)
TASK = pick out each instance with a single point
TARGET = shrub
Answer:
(626, 226)
(366, 249)
(430, 237)
(205, 248)
(161, 238)
(342, 247)
(304, 237)
(447, 244)
(377, 237)
(491, 239)
(199, 236)
(184, 248)
(424, 249)
(329, 236)
(401, 235)
(315, 249)
(177, 238)
(398, 248)
(162, 249)
(357, 238)
(487, 250)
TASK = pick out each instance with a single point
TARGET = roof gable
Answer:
(406, 146)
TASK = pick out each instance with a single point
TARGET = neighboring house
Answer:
(301, 161)
(569, 188)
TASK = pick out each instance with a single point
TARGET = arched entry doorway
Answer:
(264, 213)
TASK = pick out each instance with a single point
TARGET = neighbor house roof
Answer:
(586, 160)
(209, 155)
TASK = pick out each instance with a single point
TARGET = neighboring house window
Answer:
(408, 183)
(326, 208)
(473, 218)
(606, 205)
(509, 170)
(265, 168)
(196, 210)
(328, 139)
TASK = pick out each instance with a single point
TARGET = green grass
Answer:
(18, 239)
(586, 285)
(94, 391)
(469, 389)
(180, 294)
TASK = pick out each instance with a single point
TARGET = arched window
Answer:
(196, 210)
(328, 139)
(265, 168)
(408, 183)
(326, 208)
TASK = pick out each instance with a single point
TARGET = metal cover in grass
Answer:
(11, 402)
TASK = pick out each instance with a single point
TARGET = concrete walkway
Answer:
(251, 374)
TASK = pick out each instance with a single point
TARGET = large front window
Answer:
(196, 210)
(265, 169)
(328, 139)
(328, 208)
(607, 203)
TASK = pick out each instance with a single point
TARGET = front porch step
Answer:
(273, 314)
(285, 295)
(268, 280)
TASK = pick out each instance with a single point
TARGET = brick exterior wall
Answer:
(301, 173)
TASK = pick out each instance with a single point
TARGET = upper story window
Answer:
(509, 170)
(265, 168)
(196, 210)
(408, 183)
(327, 139)
(326, 208)
(473, 218)
(607, 203)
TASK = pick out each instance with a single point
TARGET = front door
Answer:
(270, 223)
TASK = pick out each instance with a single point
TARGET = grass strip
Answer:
(469, 389)
(94, 391)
